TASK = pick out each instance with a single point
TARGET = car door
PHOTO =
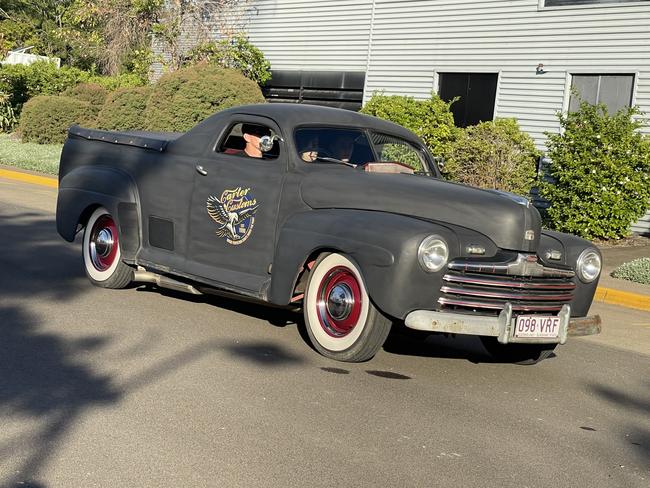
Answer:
(234, 209)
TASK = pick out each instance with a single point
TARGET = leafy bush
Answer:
(7, 115)
(92, 93)
(235, 53)
(46, 119)
(118, 81)
(431, 119)
(637, 271)
(124, 109)
(496, 155)
(183, 98)
(601, 172)
(22, 82)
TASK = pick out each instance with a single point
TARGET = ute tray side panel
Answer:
(155, 141)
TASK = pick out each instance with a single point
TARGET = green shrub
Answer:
(430, 119)
(637, 271)
(601, 171)
(46, 119)
(22, 82)
(92, 93)
(495, 155)
(123, 80)
(7, 116)
(235, 53)
(124, 109)
(183, 98)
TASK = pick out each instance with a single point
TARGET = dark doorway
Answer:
(477, 93)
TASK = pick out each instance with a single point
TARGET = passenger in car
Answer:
(251, 134)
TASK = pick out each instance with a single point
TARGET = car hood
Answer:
(491, 213)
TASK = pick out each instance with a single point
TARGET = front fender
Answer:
(383, 245)
(88, 187)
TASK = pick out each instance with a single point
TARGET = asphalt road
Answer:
(143, 388)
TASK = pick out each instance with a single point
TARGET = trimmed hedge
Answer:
(22, 82)
(46, 119)
(92, 93)
(182, 99)
(124, 109)
(494, 155)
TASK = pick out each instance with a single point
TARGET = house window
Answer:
(564, 3)
(476, 94)
(615, 91)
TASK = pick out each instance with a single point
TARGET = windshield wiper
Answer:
(334, 160)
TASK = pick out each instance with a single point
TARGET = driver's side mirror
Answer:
(266, 142)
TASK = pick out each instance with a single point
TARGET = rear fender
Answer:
(86, 188)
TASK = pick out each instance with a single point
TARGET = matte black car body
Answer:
(150, 184)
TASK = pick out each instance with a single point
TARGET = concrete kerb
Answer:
(611, 294)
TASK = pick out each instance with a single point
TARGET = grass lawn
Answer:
(36, 157)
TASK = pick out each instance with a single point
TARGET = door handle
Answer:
(200, 170)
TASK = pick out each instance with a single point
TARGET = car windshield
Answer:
(333, 145)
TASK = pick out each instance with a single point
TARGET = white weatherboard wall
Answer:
(403, 45)
(312, 35)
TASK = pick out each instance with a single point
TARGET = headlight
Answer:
(433, 253)
(589, 265)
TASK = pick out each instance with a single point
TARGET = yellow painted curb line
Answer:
(624, 298)
(29, 178)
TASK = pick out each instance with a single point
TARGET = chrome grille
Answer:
(483, 287)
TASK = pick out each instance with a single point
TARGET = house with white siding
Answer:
(503, 58)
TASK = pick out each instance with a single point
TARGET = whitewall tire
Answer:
(341, 321)
(101, 252)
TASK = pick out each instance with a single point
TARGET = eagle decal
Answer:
(234, 213)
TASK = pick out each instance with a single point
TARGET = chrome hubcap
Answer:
(340, 302)
(103, 246)
(103, 243)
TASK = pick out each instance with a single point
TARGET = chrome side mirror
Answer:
(266, 142)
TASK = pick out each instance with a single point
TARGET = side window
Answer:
(394, 149)
(243, 139)
(615, 91)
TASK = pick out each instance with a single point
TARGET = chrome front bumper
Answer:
(501, 326)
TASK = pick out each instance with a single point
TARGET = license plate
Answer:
(537, 326)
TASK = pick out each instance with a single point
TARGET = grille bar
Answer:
(505, 283)
(520, 307)
(506, 295)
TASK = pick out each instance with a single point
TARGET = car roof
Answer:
(291, 115)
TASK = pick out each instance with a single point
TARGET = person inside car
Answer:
(251, 134)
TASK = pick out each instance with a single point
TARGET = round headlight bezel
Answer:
(429, 243)
(583, 261)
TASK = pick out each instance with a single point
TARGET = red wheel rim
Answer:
(103, 244)
(339, 301)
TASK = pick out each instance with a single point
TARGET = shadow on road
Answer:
(628, 406)
(49, 379)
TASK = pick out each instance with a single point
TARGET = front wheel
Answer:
(517, 353)
(341, 321)
(101, 252)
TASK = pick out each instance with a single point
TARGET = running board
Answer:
(164, 282)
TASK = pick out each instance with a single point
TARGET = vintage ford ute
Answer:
(341, 214)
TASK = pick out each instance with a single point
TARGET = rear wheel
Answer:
(101, 252)
(517, 353)
(341, 321)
